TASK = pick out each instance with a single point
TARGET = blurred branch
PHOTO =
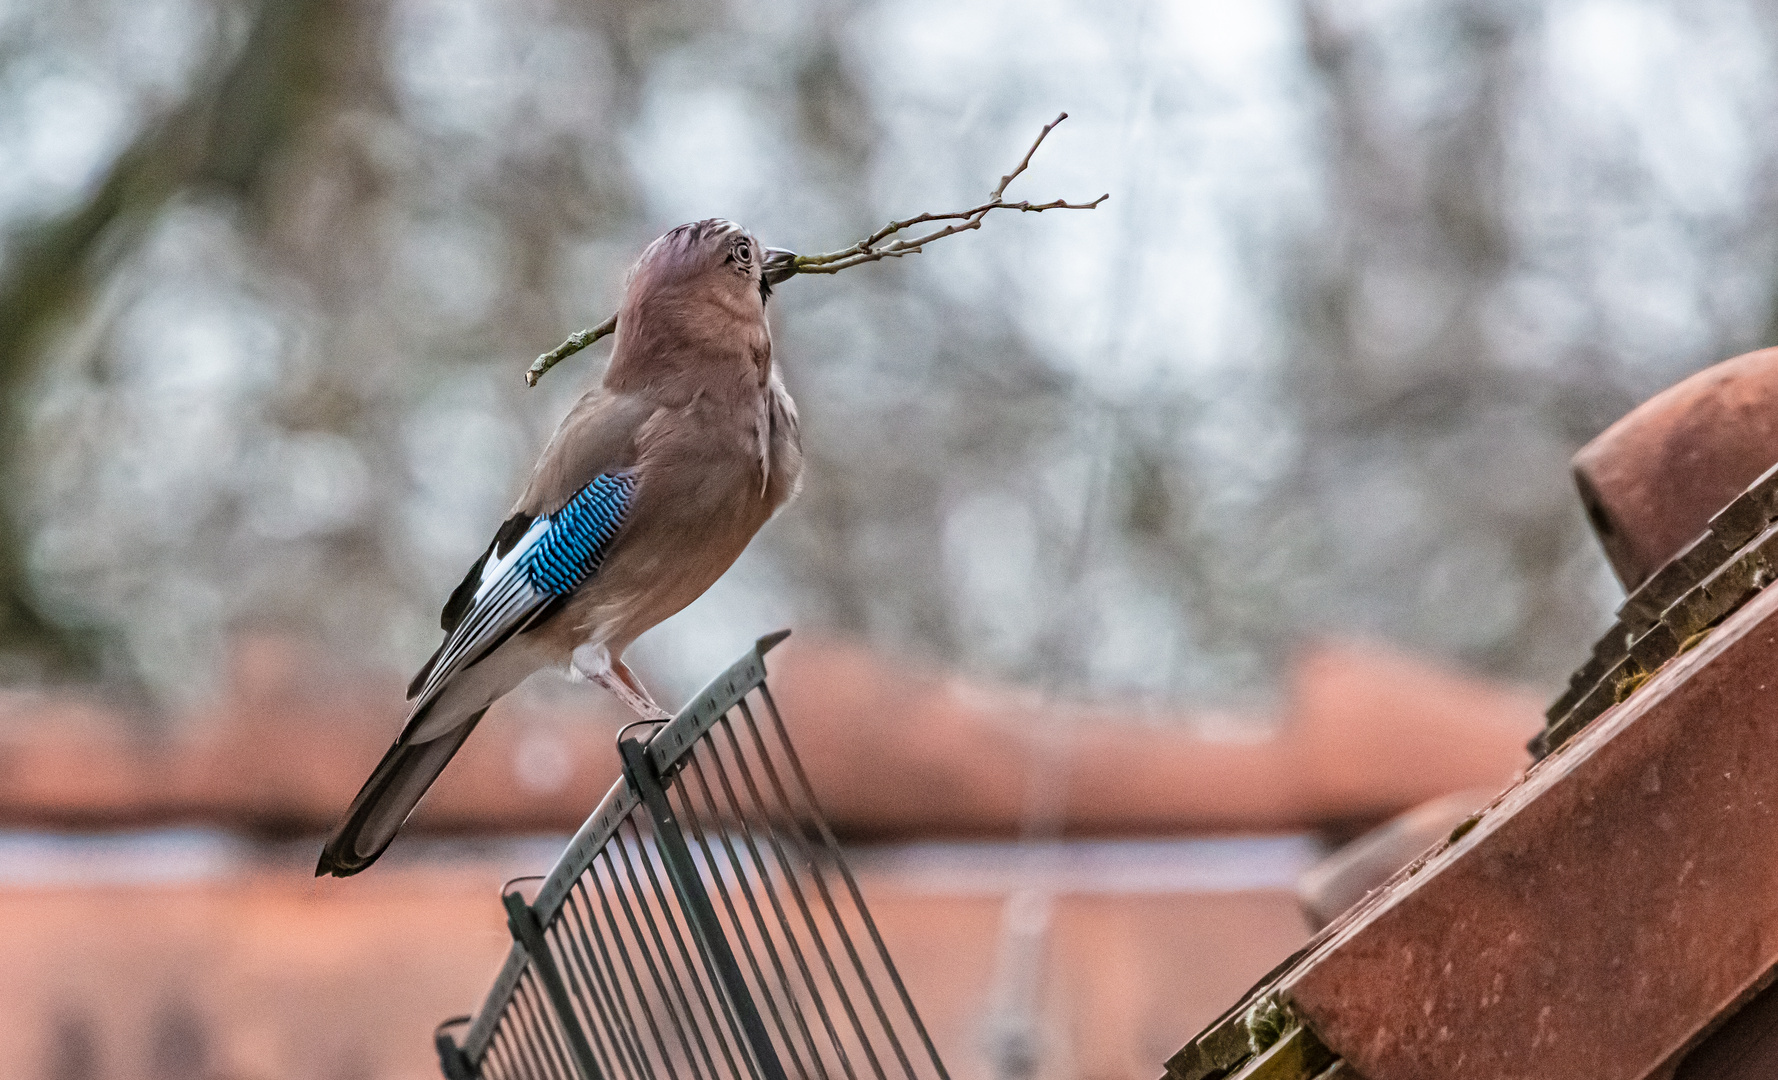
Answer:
(785, 265)
(219, 137)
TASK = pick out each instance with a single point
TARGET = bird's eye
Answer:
(743, 252)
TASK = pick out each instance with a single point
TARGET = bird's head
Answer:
(713, 253)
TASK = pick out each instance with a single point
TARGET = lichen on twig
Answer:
(881, 244)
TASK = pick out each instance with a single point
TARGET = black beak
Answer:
(779, 266)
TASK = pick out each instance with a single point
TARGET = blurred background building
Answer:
(270, 274)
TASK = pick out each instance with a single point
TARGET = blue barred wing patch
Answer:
(574, 545)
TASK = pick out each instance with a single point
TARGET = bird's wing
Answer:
(596, 440)
(524, 586)
(518, 590)
(579, 498)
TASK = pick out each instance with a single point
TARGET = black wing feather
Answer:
(464, 595)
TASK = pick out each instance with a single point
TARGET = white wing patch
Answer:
(492, 571)
(505, 601)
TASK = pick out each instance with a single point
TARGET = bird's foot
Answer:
(596, 666)
(635, 697)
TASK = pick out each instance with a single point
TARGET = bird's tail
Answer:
(387, 798)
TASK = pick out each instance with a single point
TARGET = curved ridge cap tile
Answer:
(1652, 480)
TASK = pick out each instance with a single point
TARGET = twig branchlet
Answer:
(878, 245)
(576, 342)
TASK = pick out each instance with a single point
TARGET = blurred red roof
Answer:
(893, 753)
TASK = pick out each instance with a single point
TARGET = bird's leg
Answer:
(620, 680)
(596, 665)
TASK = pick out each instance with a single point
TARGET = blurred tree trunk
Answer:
(1398, 313)
(219, 139)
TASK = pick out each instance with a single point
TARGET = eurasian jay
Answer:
(648, 491)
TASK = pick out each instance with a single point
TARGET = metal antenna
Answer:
(702, 925)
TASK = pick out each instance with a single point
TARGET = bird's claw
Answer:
(635, 696)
